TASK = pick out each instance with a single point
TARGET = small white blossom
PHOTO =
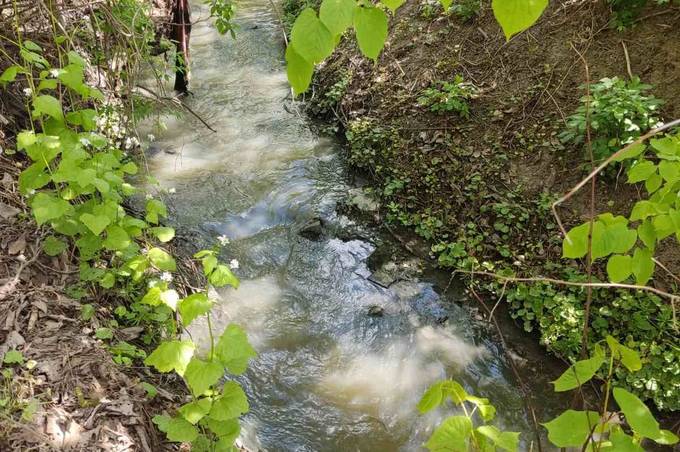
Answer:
(233, 264)
(128, 143)
(166, 276)
(223, 239)
(28, 92)
(55, 72)
(150, 137)
(85, 142)
(149, 196)
(152, 283)
(172, 190)
(31, 192)
(144, 251)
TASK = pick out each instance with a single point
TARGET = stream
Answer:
(329, 376)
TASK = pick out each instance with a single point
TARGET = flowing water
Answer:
(328, 376)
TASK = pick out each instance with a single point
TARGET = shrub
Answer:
(450, 96)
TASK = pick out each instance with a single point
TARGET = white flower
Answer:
(31, 192)
(172, 190)
(150, 137)
(28, 92)
(144, 251)
(233, 264)
(149, 196)
(86, 17)
(128, 143)
(223, 239)
(166, 276)
(152, 283)
(85, 142)
(55, 72)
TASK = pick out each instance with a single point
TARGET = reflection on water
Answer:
(328, 376)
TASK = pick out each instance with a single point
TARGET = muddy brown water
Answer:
(329, 377)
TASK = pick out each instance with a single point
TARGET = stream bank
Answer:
(478, 186)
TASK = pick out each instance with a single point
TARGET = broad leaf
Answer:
(311, 38)
(299, 70)
(515, 16)
(628, 357)
(193, 306)
(571, 428)
(637, 414)
(201, 375)
(46, 207)
(451, 435)
(171, 355)
(643, 265)
(370, 25)
(505, 440)
(196, 410)
(47, 105)
(95, 223)
(579, 373)
(393, 5)
(53, 246)
(223, 276)
(164, 234)
(234, 350)
(619, 267)
(337, 15)
(231, 404)
(162, 260)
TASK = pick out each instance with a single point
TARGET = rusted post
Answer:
(181, 26)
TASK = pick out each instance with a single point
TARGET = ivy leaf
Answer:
(223, 276)
(515, 16)
(337, 15)
(180, 430)
(451, 435)
(231, 404)
(579, 373)
(95, 223)
(299, 70)
(193, 306)
(393, 5)
(505, 440)
(164, 234)
(234, 350)
(311, 38)
(171, 355)
(47, 105)
(54, 246)
(196, 410)
(571, 428)
(643, 265)
(162, 260)
(201, 375)
(619, 267)
(47, 207)
(370, 25)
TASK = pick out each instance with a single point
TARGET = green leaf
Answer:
(108, 281)
(196, 410)
(643, 209)
(299, 70)
(446, 4)
(647, 234)
(164, 234)
(451, 435)
(433, 397)
(152, 296)
(54, 246)
(25, 139)
(622, 442)
(150, 389)
(579, 373)
(234, 350)
(193, 306)
(575, 244)
(571, 428)
(638, 415)
(9, 74)
(394, 5)
(619, 267)
(670, 171)
(180, 430)
(370, 26)
(336, 15)
(631, 153)
(486, 410)
(13, 357)
(223, 276)
(505, 440)
(653, 183)
(515, 16)
(641, 171)
(104, 333)
(231, 404)
(311, 38)
(46, 207)
(628, 357)
(30, 45)
(116, 238)
(227, 430)
(643, 265)
(171, 355)
(201, 375)
(170, 298)
(162, 260)
(95, 223)
(86, 312)
(47, 105)
(154, 210)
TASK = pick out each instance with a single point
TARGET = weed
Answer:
(449, 96)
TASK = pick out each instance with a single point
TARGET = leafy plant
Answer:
(459, 433)
(466, 9)
(619, 111)
(449, 96)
